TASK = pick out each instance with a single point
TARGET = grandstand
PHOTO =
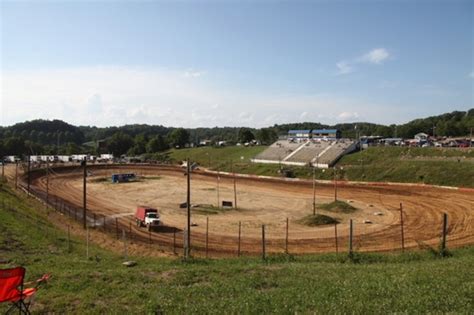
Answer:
(318, 152)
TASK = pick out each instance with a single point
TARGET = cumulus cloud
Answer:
(376, 56)
(347, 116)
(344, 68)
(107, 96)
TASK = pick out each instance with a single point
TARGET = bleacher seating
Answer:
(324, 153)
(278, 150)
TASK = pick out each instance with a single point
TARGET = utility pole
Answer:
(218, 187)
(314, 190)
(47, 184)
(84, 195)
(29, 173)
(188, 204)
(335, 183)
(16, 174)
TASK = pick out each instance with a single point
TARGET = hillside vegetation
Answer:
(375, 283)
(436, 166)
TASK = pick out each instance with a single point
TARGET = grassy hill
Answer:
(437, 166)
(375, 283)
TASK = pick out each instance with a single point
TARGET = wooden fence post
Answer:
(350, 238)
(207, 237)
(335, 237)
(240, 231)
(174, 241)
(263, 242)
(116, 228)
(445, 233)
(286, 238)
(401, 227)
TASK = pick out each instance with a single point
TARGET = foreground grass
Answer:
(379, 283)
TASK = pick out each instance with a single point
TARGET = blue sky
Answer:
(233, 63)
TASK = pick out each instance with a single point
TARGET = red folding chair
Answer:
(11, 289)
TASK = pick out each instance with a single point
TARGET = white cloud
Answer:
(190, 73)
(107, 96)
(344, 68)
(376, 56)
(347, 116)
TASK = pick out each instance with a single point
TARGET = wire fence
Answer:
(256, 239)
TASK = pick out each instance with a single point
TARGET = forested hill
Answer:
(56, 136)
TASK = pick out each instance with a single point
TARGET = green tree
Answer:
(156, 144)
(266, 135)
(245, 135)
(120, 143)
(179, 137)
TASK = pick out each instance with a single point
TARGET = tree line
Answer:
(58, 137)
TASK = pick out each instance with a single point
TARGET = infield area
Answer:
(266, 202)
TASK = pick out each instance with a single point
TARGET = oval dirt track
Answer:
(268, 202)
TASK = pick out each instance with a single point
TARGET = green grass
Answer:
(208, 210)
(338, 207)
(217, 157)
(414, 282)
(436, 166)
(318, 219)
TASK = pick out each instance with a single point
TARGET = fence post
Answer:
(174, 241)
(75, 214)
(94, 220)
(286, 238)
(130, 230)
(87, 242)
(350, 238)
(125, 249)
(68, 239)
(104, 224)
(401, 227)
(240, 233)
(335, 237)
(116, 228)
(263, 242)
(149, 237)
(207, 236)
(445, 233)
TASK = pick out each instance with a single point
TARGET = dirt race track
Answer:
(263, 201)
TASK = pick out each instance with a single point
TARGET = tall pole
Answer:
(335, 184)
(16, 174)
(218, 187)
(401, 226)
(235, 187)
(47, 184)
(314, 191)
(29, 173)
(84, 195)
(188, 204)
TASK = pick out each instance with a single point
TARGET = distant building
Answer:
(299, 134)
(326, 133)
